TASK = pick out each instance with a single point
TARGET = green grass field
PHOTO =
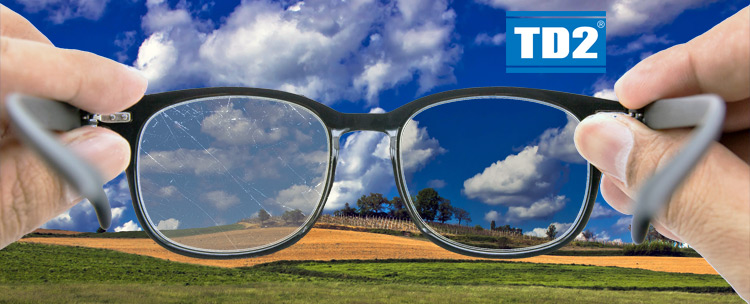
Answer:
(45, 273)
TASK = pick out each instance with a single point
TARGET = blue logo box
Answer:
(556, 42)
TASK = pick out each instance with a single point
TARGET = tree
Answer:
(347, 211)
(371, 205)
(446, 211)
(461, 215)
(492, 225)
(427, 204)
(263, 215)
(398, 209)
(293, 216)
(588, 235)
(551, 231)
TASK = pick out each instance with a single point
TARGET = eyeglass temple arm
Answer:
(31, 118)
(706, 113)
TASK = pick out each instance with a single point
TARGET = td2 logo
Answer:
(556, 42)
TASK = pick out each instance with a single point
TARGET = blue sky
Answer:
(356, 56)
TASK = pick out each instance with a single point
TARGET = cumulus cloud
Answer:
(486, 39)
(492, 215)
(302, 197)
(542, 231)
(524, 178)
(601, 211)
(60, 11)
(168, 224)
(82, 216)
(220, 199)
(542, 208)
(622, 224)
(353, 51)
(513, 181)
(129, 226)
(417, 147)
(624, 17)
(231, 126)
(365, 165)
(558, 143)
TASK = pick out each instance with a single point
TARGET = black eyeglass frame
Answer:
(391, 123)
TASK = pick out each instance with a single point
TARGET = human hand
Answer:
(711, 211)
(30, 193)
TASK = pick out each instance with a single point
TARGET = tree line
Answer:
(429, 204)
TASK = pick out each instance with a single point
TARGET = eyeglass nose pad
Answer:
(706, 112)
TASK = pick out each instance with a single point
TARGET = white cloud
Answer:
(302, 197)
(606, 94)
(232, 126)
(167, 191)
(220, 199)
(168, 224)
(124, 41)
(157, 57)
(558, 143)
(436, 183)
(511, 181)
(417, 147)
(542, 231)
(492, 215)
(60, 11)
(601, 211)
(353, 51)
(539, 209)
(129, 226)
(117, 212)
(624, 17)
(486, 39)
(622, 224)
(82, 216)
(638, 44)
(365, 165)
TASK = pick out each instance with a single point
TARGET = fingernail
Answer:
(103, 149)
(606, 142)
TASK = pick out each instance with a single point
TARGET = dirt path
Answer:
(325, 244)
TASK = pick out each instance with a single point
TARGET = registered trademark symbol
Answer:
(600, 24)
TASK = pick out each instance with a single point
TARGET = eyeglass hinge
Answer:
(637, 114)
(95, 119)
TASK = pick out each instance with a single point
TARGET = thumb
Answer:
(710, 211)
(32, 194)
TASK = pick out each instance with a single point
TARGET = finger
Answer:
(665, 232)
(614, 196)
(15, 26)
(31, 194)
(738, 116)
(629, 152)
(715, 62)
(84, 80)
(710, 210)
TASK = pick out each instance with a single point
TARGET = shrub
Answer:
(655, 248)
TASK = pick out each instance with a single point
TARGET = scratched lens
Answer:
(231, 173)
(495, 173)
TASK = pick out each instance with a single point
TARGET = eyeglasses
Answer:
(242, 172)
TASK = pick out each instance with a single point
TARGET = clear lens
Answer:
(231, 173)
(494, 172)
